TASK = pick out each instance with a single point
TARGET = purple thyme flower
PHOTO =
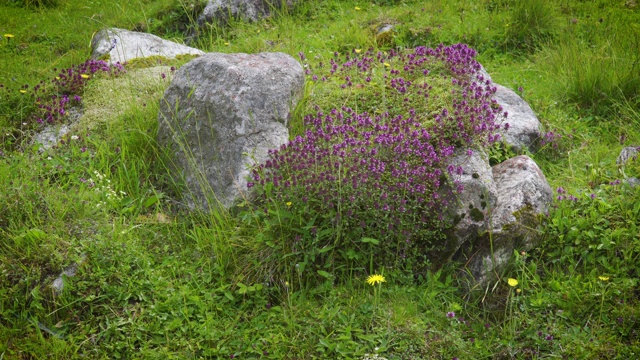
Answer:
(451, 314)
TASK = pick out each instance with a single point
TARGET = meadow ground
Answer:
(156, 281)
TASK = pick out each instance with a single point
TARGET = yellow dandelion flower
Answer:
(57, 77)
(375, 279)
(603, 278)
(288, 203)
(512, 282)
(387, 64)
(8, 36)
(226, 43)
(23, 91)
(357, 51)
(518, 291)
(84, 76)
(358, 9)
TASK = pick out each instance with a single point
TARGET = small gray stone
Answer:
(51, 135)
(58, 284)
(633, 182)
(385, 28)
(120, 46)
(626, 154)
(385, 33)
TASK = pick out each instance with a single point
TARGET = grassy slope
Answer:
(157, 284)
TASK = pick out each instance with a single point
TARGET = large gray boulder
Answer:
(524, 127)
(221, 114)
(524, 195)
(119, 46)
(249, 10)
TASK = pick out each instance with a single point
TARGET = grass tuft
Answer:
(531, 24)
(598, 76)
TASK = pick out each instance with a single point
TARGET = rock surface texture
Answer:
(483, 76)
(221, 114)
(479, 196)
(248, 10)
(57, 285)
(627, 154)
(118, 45)
(524, 126)
(523, 194)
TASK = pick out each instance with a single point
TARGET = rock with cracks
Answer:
(221, 114)
(524, 195)
(119, 46)
(471, 209)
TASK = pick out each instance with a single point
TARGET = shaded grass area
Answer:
(156, 282)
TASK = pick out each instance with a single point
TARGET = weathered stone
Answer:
(51, 135)
(58, 284)
(221, 114)
(385, 34)
(633, 182)
(628, 153)
(471, 211)
(523, 196)
(524, 127)
(521, 185)
(248, 10)
(119, 46)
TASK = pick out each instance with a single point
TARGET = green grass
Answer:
(156, 281)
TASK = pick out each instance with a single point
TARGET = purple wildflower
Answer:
(451, 314)
(389, 165)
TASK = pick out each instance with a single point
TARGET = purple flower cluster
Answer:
(562, 195)
(547, 337)
(551, 138)
(65, 90)
(383, 172)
